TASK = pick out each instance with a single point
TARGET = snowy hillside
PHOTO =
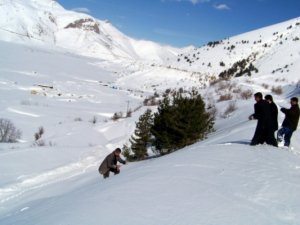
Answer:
(69, 73)
(272, 50)
(219, 181)
(45, 22)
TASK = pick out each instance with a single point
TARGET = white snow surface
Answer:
(61, 84)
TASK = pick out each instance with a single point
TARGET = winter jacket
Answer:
(291, 117)
(262, 113)
(110, 162)
(274, 116)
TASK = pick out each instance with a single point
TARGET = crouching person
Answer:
(109, 164)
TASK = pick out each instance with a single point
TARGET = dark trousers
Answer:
(285, 133)
(270, 138)
(115, 171)
(263, 135)
(258, 136)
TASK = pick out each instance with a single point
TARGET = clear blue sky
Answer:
(187, 22)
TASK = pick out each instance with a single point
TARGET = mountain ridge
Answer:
(47, 22)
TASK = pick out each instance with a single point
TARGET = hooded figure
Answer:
(109, 164)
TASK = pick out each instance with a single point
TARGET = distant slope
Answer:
(274, 49)
(45, 22)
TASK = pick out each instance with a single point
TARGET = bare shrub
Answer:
(78, 119)
(137, 108)
(51, 144)
(94, 120)
(230, 109)
(226, 85)
(29, 103)
(212, 110)
(225, 97)
(40, 143)
(129, 113)
(156, 95)
(213, 81)
(150, 101)
(266, 86)
(8, 132)
(117, 116)
(247, 94)
(277, 90)
(231, 85)
(280, 80)
(222, 85)
(237, 90)
(38, 135)
(248, 81)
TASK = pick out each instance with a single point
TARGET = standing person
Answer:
(290, 122)
(262, 115)
(109, 164)
(274, 119)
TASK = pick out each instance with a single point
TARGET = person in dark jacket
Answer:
(273, 115)
(110, 163)
(290, 122)
(264, 131)
(274, 112)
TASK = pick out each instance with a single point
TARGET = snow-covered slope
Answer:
(45, 22)
(274, 49)
(219, 181)
(46, 81)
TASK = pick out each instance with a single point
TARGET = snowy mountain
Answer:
(272, 50)
(45, 22)
(268, 57)
(46, 79)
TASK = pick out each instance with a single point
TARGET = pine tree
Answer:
(142, 136)
(126, 151)
(181, 120)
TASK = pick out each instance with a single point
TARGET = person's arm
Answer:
(287, 112)
(120, 160)
(284, 110)
(254, 116)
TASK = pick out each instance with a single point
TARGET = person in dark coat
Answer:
(264, 131)
(109, 164)
(273, 114)
(290, 122)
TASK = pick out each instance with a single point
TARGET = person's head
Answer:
(269, 98)
(117, 151)
(258, 96)
(294, 101)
